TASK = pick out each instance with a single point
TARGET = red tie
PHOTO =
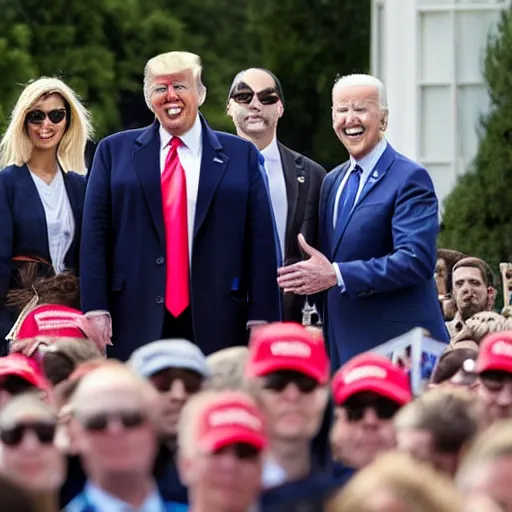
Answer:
(174, 200)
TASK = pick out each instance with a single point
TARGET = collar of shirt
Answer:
(273, 474)
(102, 500)
(369, 161)
(192, 139)
(271, 152)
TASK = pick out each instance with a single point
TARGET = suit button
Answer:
(160, 261)
(159, 300)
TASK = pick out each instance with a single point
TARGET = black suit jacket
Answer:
(303, 179)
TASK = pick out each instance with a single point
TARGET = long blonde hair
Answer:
(16, 147)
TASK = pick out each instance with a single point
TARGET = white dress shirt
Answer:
(277, 186)
(104, 501)
(190, 153)
(367, 164)
(60, 221)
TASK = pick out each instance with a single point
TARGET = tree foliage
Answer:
(100, 47)
(478, 213)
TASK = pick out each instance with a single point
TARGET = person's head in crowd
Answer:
(464, 338)
(436, 427)
(115, 431)
(367, 391)
(177, 369)
(174, 91)
(396, 482)
(228, 369)
(19, 374)
(289, 368)
(48, 117)
(221, 442)
(473, 287)
(446, 259)
(453, 369)
(255, 104)
(487, 322)
(494, 384)
(486, 469)
(359, 113)
(28, 453)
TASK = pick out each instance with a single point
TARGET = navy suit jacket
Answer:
(386, 253)
(23, 229)
(233, 265)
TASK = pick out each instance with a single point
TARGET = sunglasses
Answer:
(163, 380)
(265, 97)
(278, 381)
(356, 408)
(495, 380)
(242, 451)
(38, 116)
(15, 385)
(100, 421)
(45, 433)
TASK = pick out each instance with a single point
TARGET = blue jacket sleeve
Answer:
(415, 227)
(6, 239)
(96, 228)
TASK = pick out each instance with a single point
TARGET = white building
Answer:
(429, 54)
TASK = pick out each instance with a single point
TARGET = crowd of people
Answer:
(188, 324)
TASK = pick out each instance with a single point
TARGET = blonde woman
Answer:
(42, 188)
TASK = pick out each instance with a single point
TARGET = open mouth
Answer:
(354, 132)
(46, 136)
(174, 112)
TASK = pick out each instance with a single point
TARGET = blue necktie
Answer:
(347, 199)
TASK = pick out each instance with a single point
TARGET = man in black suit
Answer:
(256, 103)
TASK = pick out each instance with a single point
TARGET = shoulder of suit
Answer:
(75, 176)
(124, 136)
(233, 140)
(9, 171)
(307, 163)
(407, 164)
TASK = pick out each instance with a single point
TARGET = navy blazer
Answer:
(386, 253)
(23, 230)
(233, 263)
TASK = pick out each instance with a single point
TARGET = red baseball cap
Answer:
(231, 418)
(52, 320)
(371, 372)
(495, 353)
(287, 346)
(24, 367)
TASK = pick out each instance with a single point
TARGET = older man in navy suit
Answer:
(378, 228)
(178, 231)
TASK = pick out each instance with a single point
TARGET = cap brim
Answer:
(266, 367)
(220, 438)
(33, 379)
(498, 365)
(385, 389)
(163, 363)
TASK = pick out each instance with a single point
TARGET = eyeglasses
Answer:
(278, 381)
(38, 116)
(164, 380)
(242, 451)
(356, 408)
(100, 421)
(15, 385)
(495, 380)
(265, 97)
(45, 433)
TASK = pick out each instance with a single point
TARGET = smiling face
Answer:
(358, 118)
(46, 122)
(175, 101)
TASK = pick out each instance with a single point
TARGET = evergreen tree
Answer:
(478, 213)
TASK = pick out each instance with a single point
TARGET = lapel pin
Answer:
(300, 179)
(217, 160)
(375, 174)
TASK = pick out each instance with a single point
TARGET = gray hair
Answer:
(364, 80)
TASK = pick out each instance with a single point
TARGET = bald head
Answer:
(256, 79)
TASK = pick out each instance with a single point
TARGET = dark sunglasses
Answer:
(15, 385)
(242, 451)
(45, 433)
(278, 381)
(356, 408)
(38, 116)
(164, 380)
(495, 380)
(265, 97)
(100, 421)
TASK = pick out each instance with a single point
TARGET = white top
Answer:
(59, 217)
(277, 186)
(190, 153)
(104, 501)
